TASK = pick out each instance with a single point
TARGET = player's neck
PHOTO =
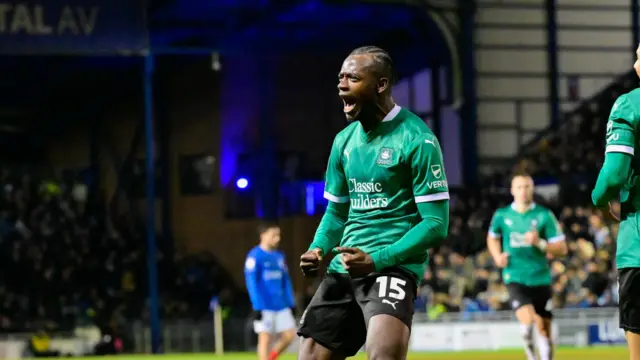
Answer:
(266, 247)
(383, 108)
(522, 207)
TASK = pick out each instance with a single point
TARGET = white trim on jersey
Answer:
(393, 113)
(336, 199)
(515, 207)
(497, 236)
(432, 197)
(620, 149)
(556, 239)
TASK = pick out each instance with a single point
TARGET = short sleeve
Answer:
(621, 136)
(495, 227)
(552, 230)
(427, 169)
(336, 188)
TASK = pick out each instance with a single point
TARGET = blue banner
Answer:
(605, 333)
(72, 27)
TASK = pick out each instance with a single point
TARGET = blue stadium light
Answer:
(310, 204)
(242, 183)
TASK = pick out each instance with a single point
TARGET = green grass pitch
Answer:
(596, 353)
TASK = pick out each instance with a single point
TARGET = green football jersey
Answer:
(621, 137)
(383, 174)
(527, 264)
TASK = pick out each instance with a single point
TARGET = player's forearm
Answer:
(291, 301)
(331, 228)
(256, 301)
(252, 289)
(611, 179)
(493, 245)
(427, 234)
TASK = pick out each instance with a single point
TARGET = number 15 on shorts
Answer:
(391, 287)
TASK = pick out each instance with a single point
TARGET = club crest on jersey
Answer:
(436, 170)
(385, 157)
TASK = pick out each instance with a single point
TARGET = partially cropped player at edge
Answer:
(388, 204)
(618, 177)
(520, 237)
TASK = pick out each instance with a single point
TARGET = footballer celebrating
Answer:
(618, 178)
(520, 237)
(388, 204)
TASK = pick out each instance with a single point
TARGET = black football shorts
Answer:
(629, 299)
(337, 316)
(538, 296)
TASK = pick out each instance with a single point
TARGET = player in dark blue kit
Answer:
(271, 293)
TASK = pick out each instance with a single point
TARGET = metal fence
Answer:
(186, 336)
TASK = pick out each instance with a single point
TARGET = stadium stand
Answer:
(215, 99)
(80, 266)
(462, 276)
(40, 223)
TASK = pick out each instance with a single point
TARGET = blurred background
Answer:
(140, 144)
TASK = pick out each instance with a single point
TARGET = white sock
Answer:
(545, 348)
(527, 336)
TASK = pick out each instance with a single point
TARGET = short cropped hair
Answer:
(383, 62)
(519, 174)
(264, 226)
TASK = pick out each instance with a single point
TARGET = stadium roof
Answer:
(288, 25)
(242, 27)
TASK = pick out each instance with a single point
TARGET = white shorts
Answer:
(275, 321)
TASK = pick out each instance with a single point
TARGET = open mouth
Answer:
(349, 104)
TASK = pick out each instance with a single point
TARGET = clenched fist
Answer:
(357, 262)
(310, 262)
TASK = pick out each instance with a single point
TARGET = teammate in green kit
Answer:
(388, 204)
(520, 237)
(618, 178)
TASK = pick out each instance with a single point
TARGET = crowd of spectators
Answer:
(66, 262)
(462, 276)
